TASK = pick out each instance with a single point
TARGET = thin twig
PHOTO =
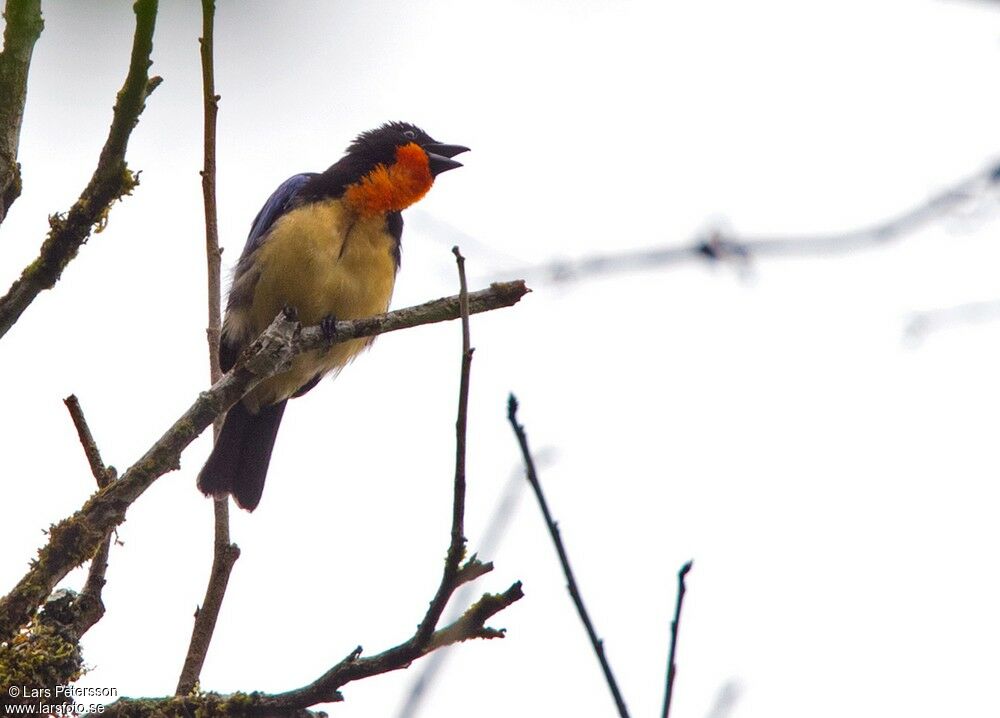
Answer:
(492, 537)
(73, 540)
(674, 629)
(461, 422)
(720, 246)
(23, 26)
(213, 254)
(224, 552)
(89, 607)
(112, 180)
(225, 555)
(456, 549)
(97, 467)
(574, 591)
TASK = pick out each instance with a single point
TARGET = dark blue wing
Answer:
(277, 204)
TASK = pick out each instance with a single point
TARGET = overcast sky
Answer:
(835, 484)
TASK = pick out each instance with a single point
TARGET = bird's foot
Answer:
(329, 326)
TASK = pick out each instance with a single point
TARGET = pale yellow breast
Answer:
(322, 260)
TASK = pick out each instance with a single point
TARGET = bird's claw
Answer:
(329, 326)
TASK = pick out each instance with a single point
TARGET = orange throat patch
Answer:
(393, 188)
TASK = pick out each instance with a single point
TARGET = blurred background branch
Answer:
(922, 324)
(721, 246)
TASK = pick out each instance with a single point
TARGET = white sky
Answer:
(836, 486)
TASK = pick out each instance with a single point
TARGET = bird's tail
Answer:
(238, 462)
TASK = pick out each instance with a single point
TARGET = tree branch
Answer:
(23, 27)
(353, 667)
(75, 539)
(47, 650)
(89, 607)
(574, 591)
(674, 629)
(456, 549)
(720, 246)
(213, 254)
(112, 180)
(427, 638)
(225, 553)
(102, 474)
(492, 536)
(921, 324)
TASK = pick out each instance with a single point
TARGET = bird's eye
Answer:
(409, 134)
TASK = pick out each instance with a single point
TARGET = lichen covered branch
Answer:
(76, 538)
(23, 27)
(112, 180)
(427, 638)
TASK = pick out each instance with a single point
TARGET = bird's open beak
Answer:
(440, 156)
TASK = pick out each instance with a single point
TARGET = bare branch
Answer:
(456, 550)
(101, 473)
(225, 553)
(488, 545)
(470, 625)
(674, 629)
(574, 591)
(224, 558)
(23, 27)
(213, 254)
(112, 180)
(75, 539)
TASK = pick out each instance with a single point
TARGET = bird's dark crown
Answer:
(369, 149)
(380, 144)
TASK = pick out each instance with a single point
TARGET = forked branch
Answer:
(75, 539)
(427, 638)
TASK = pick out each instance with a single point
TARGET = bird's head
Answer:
(393, 166)
(382, 146)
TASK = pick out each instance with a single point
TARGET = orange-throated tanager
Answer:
(328, 246)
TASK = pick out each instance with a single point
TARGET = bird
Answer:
(324, 247)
